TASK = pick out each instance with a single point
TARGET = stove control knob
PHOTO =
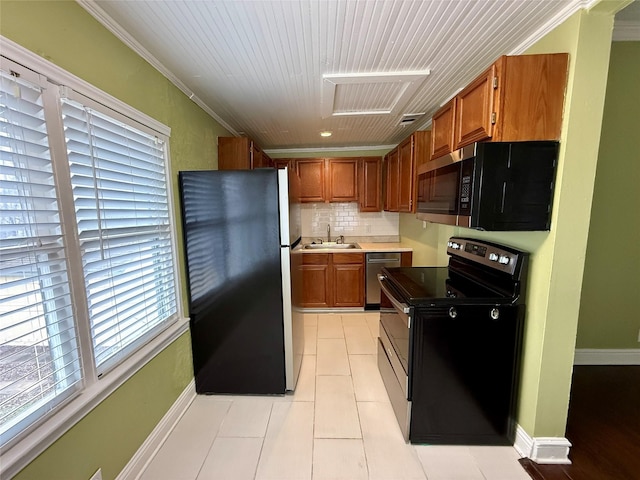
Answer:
(504, 259)
(456, 246)
(493, 257)
(453, 313)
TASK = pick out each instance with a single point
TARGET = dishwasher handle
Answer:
(397, 304)
(383, 260)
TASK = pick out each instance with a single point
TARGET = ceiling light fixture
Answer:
(325, 134)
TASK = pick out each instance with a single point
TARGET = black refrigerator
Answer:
(240, 230)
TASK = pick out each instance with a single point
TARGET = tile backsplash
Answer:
(345, 219)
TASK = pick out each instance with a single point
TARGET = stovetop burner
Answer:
(478, 272)
(434, 285)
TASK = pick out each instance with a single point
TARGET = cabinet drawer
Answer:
(348, 258)
(315, 259)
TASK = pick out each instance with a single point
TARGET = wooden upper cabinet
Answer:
(402, 162)
(385, 182)
(259, 158)
(442, 130)
(518, 98)
(531, 97)
(369, 186)
(312, 179)
(328, 179)
(240, 153)
(405, 175)
(474, 110)
(343, 180)
(284, 162)
(393, 180)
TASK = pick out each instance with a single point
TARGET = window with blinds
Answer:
(122, 212)
(87, 271)
(39, 355)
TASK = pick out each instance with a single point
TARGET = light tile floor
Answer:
(338, 424)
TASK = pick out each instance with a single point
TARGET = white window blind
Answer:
(118, 176)
(39, 356)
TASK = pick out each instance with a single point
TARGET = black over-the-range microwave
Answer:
(491, 186)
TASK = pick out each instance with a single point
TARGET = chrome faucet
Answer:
(328, 232)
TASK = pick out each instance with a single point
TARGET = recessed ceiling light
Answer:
(325, 134)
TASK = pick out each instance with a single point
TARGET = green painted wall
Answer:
(608, 314)
(546, 386)
(110, 435)
(557, 257)
(426, 239)
(63, 33)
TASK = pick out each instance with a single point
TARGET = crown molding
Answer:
(110, 24)
(552, 23)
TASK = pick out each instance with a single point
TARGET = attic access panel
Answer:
(368, 93)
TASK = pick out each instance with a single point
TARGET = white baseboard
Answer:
(542, 450)
(593, 356)
(136, 466)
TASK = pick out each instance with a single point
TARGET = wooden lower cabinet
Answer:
(332, 280)
(348, 279)
(316, 280)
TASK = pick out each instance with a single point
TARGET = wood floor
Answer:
(603, 427)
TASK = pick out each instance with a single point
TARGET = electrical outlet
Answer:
(367, 228)
(97, 475)
(638, 336)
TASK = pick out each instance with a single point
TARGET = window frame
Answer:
(35, 439)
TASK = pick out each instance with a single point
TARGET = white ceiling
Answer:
(283, 71)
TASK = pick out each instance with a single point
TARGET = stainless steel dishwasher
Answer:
(375, 261)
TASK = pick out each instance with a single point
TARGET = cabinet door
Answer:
(312, 179)
(234, 153)
(385, 178)
(342, 185)
(474, 114)
(532, 93)
(442, 130)
(259, 158)
(369, 191)
(348, 279)
(405, 175)
(393, 177)
(349, 282)
(316, 280)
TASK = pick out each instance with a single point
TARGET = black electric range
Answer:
(449, 345)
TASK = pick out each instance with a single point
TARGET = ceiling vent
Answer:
(409, 118)
(368, 93)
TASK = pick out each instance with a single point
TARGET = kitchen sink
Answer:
(326, 245)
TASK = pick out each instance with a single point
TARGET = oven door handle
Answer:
(403, 307)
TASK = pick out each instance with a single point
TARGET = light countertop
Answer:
(364, 247)
(384, 247)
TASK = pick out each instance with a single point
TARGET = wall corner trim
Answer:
(602, 356)
(542, 450)
(143, 456)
